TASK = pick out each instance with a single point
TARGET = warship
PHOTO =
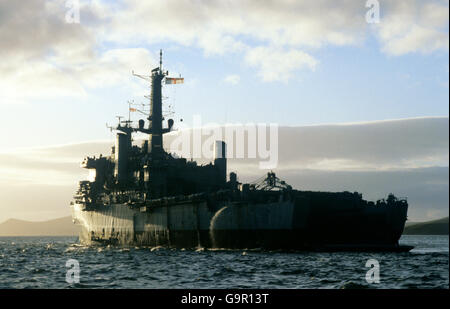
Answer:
(145, 196)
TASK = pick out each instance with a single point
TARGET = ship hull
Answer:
(296, 224)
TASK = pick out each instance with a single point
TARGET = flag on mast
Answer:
(132, 109)
(174, 80)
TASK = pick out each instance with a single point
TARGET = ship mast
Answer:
(158, 183)
(156, 118)
(155, 128)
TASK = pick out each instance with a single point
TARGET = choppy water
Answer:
(40, 262)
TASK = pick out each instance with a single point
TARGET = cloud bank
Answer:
(408, 157)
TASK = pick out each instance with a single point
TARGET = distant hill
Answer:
(435, 227)
(57, 227)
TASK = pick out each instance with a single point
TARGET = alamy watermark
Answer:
(243, 141)
(373, 14)
(73, 12)
(373, 274)
(73, 273)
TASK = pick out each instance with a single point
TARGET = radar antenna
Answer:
(270, 183)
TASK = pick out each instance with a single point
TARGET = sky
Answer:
(66, 72)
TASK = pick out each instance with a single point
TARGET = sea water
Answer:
(42, 262)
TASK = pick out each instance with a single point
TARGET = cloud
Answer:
(111, 66)
(366, 146)
(372, 146)
(414, 26)
(278, 65)
(52, 165)
(282, 29)
(44, 57)
(33, 34)
(299, 27)
(425, 188)
(291, 23)
(60, 78)
(378, 145)
(34, 29)
(232, 79)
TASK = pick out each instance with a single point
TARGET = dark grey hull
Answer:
(289, 225)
